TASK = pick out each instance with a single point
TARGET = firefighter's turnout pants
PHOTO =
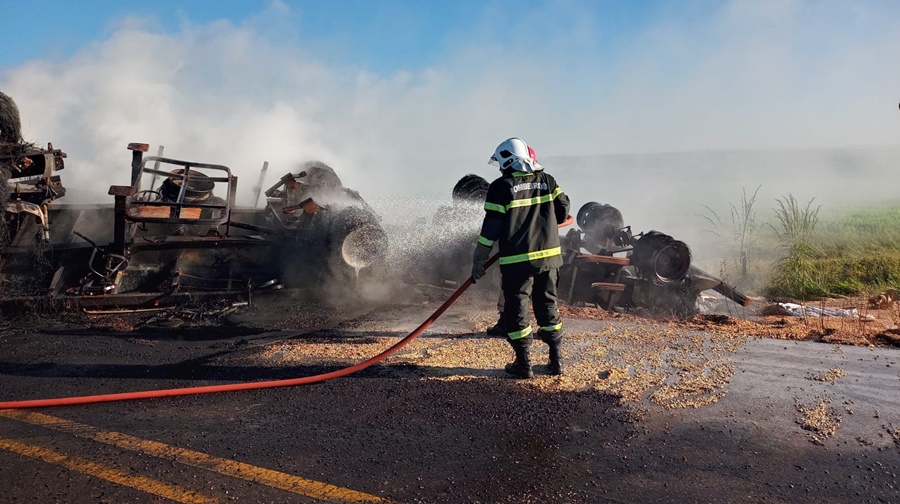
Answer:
(523, 287)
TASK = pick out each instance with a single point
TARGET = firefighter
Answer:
(523, 209)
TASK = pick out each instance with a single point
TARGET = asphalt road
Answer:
(791, 421)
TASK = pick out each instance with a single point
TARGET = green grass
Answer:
(798, 252)
(841, 254)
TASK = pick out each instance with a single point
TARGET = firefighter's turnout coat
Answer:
(522, 213)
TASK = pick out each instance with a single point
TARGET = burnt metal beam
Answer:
(252, 227)
(137, 155)
(190, 243)
(120, 193)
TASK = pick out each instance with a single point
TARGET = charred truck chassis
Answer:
(175, 235)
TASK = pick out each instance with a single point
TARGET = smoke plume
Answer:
(795, 96)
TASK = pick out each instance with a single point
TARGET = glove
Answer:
(481, 256)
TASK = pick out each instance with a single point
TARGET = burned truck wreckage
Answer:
(175, 235)
(652, 273)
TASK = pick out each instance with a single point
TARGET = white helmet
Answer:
(516, 155)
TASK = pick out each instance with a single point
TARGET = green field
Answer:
(855, 252)
(803, 251)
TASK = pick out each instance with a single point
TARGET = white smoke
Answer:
(747, 75)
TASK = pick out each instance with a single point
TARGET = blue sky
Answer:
(414, 90)
(382, 35)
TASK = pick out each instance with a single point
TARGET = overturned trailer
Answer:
(609, 266)
(175, 235)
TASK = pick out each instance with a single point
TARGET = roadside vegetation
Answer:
(803, 251)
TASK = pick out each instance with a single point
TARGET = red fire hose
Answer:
(306, 380)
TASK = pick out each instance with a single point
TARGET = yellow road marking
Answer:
(144, 484)
(268, 477)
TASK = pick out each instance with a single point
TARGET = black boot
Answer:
(553, 340)
(499, 329)
(521, 368)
